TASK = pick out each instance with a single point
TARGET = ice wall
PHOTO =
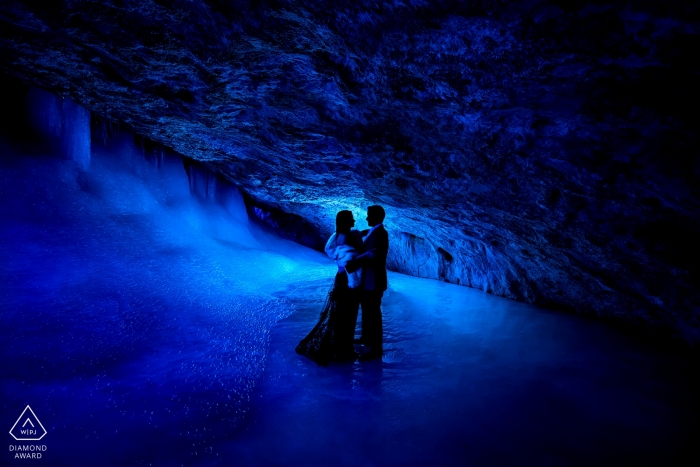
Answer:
(206, 202)
(145, 305)
(65, 123)
(207, 185)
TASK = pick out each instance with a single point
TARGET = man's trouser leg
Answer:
(372, 319)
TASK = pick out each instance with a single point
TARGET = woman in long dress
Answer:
(332, 337)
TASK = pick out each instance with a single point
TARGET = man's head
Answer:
(375, 215)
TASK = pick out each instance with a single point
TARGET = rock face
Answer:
(544, 151)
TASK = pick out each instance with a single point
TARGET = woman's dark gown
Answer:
(332, 337)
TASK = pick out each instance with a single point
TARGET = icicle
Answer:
(105, 135)
(202, 181)
(46, 112)
(76, 133)
(230, 197)
(62, 121)
(208, 185)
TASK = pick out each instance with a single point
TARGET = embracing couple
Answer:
(360, 280)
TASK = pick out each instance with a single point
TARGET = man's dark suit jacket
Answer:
(374, 268)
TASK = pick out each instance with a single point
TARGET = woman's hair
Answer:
(343, 222)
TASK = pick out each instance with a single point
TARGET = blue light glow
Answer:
(147, 322)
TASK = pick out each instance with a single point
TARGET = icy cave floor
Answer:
(146, 327)
(472, 379)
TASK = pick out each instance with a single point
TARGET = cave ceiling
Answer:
(543, 150)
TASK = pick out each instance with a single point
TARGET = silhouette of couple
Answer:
(360, 280)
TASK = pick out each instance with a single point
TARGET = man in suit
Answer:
(374, 281)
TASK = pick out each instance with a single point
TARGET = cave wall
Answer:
(543, 150)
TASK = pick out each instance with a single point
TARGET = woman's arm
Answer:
(330, 246)
(361, 260)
